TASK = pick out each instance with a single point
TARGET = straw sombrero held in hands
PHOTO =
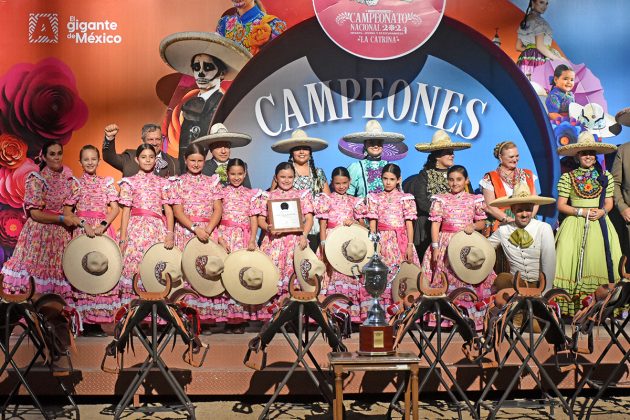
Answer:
(156, 263)
(347, 247)
(250, 277)
(92, 265)
(406, 281)
(471, 257)
(522, 195)
(202, 265)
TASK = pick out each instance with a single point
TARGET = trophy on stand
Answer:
(376, 336)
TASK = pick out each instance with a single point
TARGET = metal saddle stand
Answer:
(296, 314)
(618, 298)
(533, 307)
(155, 344)
(434, 301)
(18, 312)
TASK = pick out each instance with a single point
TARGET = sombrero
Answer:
(202, 265)
(156, 263)
(374, 131)
(391, 151)
(307, 267)
(441, 141)
(522, 195)
(92, 265)
(471, 257)
(406, 281)
(586, 141)
(250, 277)
(348, 246)
(179, 48)
(299, 138)
(218, 132)
(593, 118)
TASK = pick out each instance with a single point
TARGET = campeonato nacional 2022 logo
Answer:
(379, 29)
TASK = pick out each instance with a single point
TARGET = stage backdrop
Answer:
(69, 68)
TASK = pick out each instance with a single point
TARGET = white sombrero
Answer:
(156, 263)
(219, 133)
(522, 195)
(586, 141)
(471, 257)
(307, 267)
(406, 281)
(441, 141)
(593, 118)
(92, 265)
(202, 265)
(299, 138)
(348, 246)
(250, 277)
(179, 48)
(374, 131)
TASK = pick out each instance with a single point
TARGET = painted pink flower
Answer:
(229, 25)
(12, 183)
(11, 224)
(40, 102)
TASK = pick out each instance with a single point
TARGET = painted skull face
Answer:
(205, 71)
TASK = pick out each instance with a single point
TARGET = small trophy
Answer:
(376, 336)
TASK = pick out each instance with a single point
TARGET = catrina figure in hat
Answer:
(95, 202)
(39, 249)
(587, 245)
(147, 217)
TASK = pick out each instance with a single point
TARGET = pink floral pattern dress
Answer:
(197, 193)
(455, 212)
(91, 195)
(39, 249)
(336, 209)
(238, 205)
(146, 194)
(391, 210)
(280, 247)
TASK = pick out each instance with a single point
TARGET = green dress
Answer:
(583, 190)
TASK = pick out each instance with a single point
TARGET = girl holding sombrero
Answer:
(144, 197)
(587, 245)
(366, 173)
(95, 201)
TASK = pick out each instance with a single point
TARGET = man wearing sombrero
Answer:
(527, 243)
(209, 58)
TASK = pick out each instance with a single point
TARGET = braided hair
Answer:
(528, 12)
(317, 183)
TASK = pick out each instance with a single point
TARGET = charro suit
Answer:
(621, 174)
(210, 167)
(197, 121)
(126, 162)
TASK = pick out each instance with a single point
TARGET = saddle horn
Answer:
(18, 297)
(152, 296)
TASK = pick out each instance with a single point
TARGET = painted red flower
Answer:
(11, 224)
(12, 151)
(40, 102)
(12, 183)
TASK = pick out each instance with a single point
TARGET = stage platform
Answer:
(224, 373)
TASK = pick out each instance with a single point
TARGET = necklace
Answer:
(506, 177)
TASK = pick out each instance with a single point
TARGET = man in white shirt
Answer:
(528, 243)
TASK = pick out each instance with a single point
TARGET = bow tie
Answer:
(160, 163)
(521, 238)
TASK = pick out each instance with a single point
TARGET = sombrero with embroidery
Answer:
(348, 246)
(441, 141)
(92, 265)
(178, 49)
(218, 132)
(307, 267)
(471, 257)
(299, 138)
(202, 265)
(586, 141)
(156, 263)
(406, 281)
(374, 131)
(250, 277)
(593, 118)
(522, 195)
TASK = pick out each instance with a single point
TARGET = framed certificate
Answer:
(285, 216)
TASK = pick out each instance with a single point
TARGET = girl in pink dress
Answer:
(449, 214)
(237, 231)
(197, 207)
(94, 200)
(39, 249)
(280, 246)
(391, 213)
(332, 210)
(143, 197)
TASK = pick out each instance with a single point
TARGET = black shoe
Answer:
(93, 330)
